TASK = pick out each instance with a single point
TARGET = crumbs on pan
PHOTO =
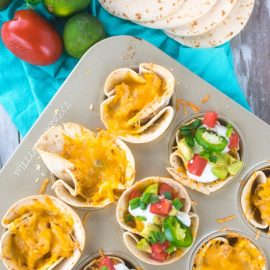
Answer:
(91, 107)
(224, 229)
(37, 180)
(44, 186)
(187, 104)
(56, 111)
(205, 99)
(226, 219)
(38, 167)
(194, 203)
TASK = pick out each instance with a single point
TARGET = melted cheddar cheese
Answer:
(261, 199)
(222, 256)
(131, 97)
(41, 235)
(100, 166)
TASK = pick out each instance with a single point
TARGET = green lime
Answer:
(80, 33)
(63, 8)
(4, 4)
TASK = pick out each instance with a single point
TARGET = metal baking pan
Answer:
(78, 100)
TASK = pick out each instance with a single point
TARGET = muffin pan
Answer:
(79, 99)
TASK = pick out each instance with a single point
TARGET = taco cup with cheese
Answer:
(156, 214)
(229, 251)
(137, 106)
(255, 199)
(92, 169)
(207, 153)
(41, 232)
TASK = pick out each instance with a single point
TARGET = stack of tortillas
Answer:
(194, 23)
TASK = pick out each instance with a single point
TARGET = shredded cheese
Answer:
(235, 254)
(124, 112)
(261, 200)
(100, 166)
(41, 235)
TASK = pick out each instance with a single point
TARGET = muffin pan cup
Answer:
(79, 99)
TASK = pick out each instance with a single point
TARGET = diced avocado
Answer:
(173, 212)
(149, 228)
(153, 189)
(143, 245)
(230, 159)
(220, 171)
(186, 151)
(235, 167)
(158, 220)
(221, 160)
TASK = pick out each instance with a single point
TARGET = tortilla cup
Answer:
(155, 117)
(251, 212)
(50, 146)
(226, 242)
(131, 235)
(6, 247)
(177, 161)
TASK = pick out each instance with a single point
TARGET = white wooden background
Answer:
(252, 62)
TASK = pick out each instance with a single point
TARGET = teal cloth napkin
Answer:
(25, 90)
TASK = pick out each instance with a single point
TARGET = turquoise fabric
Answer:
(25, 90)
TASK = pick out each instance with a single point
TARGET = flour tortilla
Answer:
(224, 31)
(50, 145)
(61, 264)
(177, 160)
(141, 10)
(156, 117)
(215, 16)
(131, 235)
(249, 209)
(188, 12)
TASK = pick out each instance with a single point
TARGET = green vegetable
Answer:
(153, 189)
(129, 218)
(235, 167)
(154, 198)
(187, 130)
(210, 141)
(190, 141)
(229, 131)
(177, 204)
(177, 233)
(104, 268)
(143, 205)
(32, 2)
(156, 236)
(4, 4)
(173, 212)
(63, 8)
(80, 33)
(134, 203)
(170, 249)
(141, 218)
(149, 229)
(168, 195)
(209, 156)
(186, 151)
(143, 245)
(146, 198)
(220, 172)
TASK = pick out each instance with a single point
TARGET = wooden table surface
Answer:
(251, 51)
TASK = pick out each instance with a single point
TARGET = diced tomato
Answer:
(135, 194)
(166, 188)
(234, 141)
(210, 119)
(162, 207)
(159, 251)
(197, 165)
(106, 261)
